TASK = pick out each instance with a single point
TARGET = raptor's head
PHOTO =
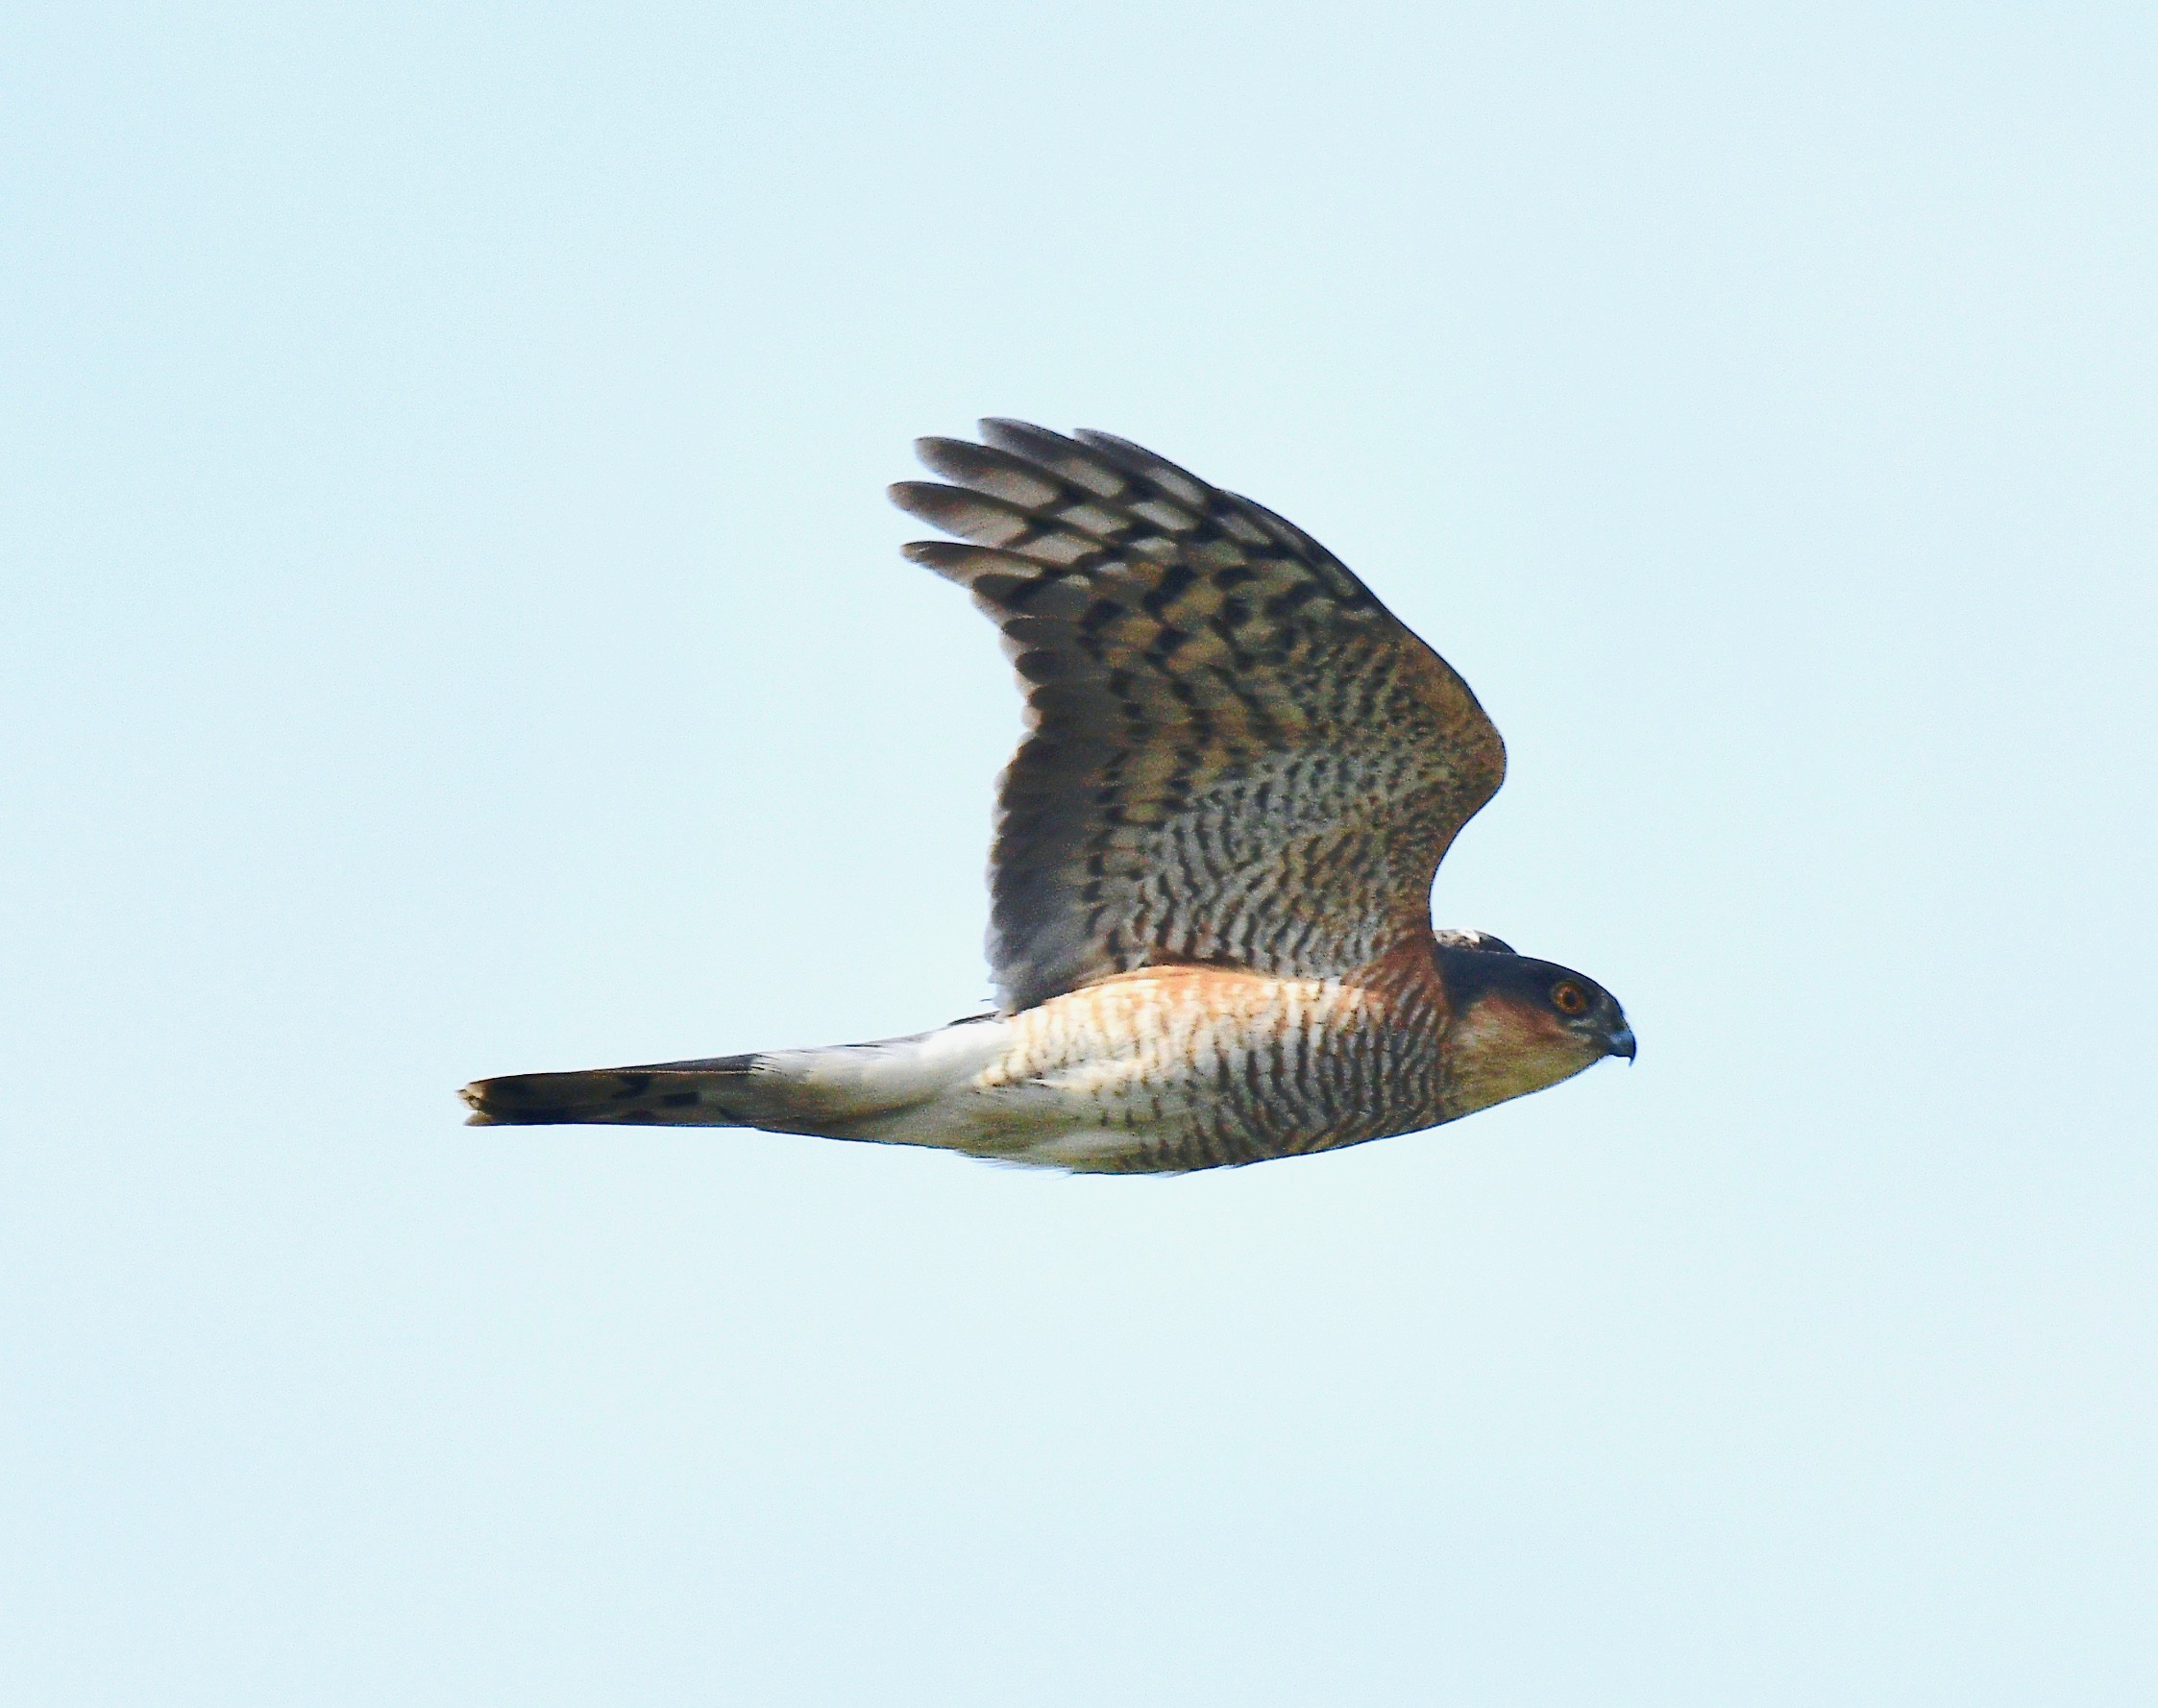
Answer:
(1517, 1024)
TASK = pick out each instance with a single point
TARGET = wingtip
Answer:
(944, 557)
(934, 450)
(1024, 439)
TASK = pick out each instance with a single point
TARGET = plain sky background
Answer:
(453, 626)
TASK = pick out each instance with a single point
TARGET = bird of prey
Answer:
(1209, 886)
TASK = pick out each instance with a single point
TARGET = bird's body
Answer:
(1210, 918)
(1165, 1068)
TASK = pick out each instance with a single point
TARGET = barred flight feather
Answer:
(1234, 751)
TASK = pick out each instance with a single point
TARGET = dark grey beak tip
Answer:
(1621, 1042)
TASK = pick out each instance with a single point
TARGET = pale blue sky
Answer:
(453, 627)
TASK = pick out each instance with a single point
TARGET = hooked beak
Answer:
(1621, 1041)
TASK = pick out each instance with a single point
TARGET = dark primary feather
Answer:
(1235, 752)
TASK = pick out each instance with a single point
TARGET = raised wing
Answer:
(1235, 753)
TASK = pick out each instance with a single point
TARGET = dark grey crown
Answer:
(1481, 942)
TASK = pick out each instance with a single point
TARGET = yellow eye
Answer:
(1569, 998)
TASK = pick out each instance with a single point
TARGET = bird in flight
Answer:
(1210, 918)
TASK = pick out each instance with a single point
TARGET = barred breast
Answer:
(1184, 1067)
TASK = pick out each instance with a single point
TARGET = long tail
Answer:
(896, 1091)
(712, 1093)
